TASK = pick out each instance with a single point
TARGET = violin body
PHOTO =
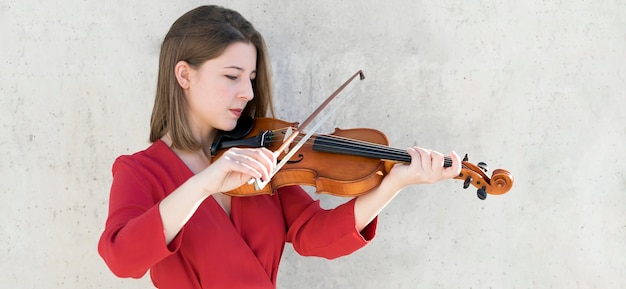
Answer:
(346, 163)
(330, 173)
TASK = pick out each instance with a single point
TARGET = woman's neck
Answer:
(195, 160)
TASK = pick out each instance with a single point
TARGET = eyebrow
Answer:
(238, 68)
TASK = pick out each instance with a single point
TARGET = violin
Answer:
(346, 163)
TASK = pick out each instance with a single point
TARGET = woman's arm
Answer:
(234, 168)
(426, 168)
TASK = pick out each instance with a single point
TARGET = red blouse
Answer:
(214, 250)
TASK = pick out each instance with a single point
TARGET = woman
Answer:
(167, 210)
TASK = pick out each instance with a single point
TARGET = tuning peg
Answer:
(482, 193)
(465, 158)
(467, 182)
(483, 166)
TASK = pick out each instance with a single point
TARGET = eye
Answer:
(232, 77)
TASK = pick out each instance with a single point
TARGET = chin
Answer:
(228, 126)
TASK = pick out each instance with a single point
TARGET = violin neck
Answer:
(340, 145)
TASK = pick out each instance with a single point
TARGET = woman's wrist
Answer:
(199, 186)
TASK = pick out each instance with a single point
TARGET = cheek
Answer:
(204, 94)
(223, 95)
(210, 96)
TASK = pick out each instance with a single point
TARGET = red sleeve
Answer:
(314, 231)
(133, 239)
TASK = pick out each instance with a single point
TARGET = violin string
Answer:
(359, 147)
(372, 150)
(331, 141)
(364, 148)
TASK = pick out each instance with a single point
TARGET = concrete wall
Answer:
(535, 87)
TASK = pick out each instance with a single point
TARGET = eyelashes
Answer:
(234, 77)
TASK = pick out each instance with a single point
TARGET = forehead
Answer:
(238, 54)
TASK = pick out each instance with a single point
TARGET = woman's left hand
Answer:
(426, 168)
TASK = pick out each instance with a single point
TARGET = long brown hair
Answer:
(199, 35)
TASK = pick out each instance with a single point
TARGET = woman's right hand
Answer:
(236, 167)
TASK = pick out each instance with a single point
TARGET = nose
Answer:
(247, 91)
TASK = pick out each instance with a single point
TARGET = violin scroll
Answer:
(501, 181)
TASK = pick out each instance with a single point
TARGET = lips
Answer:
(236, 111)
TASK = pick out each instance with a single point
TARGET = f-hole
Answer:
(300, 158)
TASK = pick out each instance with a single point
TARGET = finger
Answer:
(251, 161)
(236, 163)
(455, 169)
(416, 158)
(265, 158)
(270, 157)
(437, 160)
(425, 158)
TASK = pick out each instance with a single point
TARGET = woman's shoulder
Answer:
(157, 154)
(156, 163)
(146, 152)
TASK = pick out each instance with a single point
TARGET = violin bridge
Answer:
(288, 132)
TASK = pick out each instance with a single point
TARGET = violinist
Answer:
(168, 213)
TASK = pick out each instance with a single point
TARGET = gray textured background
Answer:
(535, 87)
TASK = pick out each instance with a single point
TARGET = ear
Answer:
(182, 71)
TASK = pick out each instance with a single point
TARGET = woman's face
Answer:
(220, 88)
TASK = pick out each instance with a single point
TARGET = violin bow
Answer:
(260, 184)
